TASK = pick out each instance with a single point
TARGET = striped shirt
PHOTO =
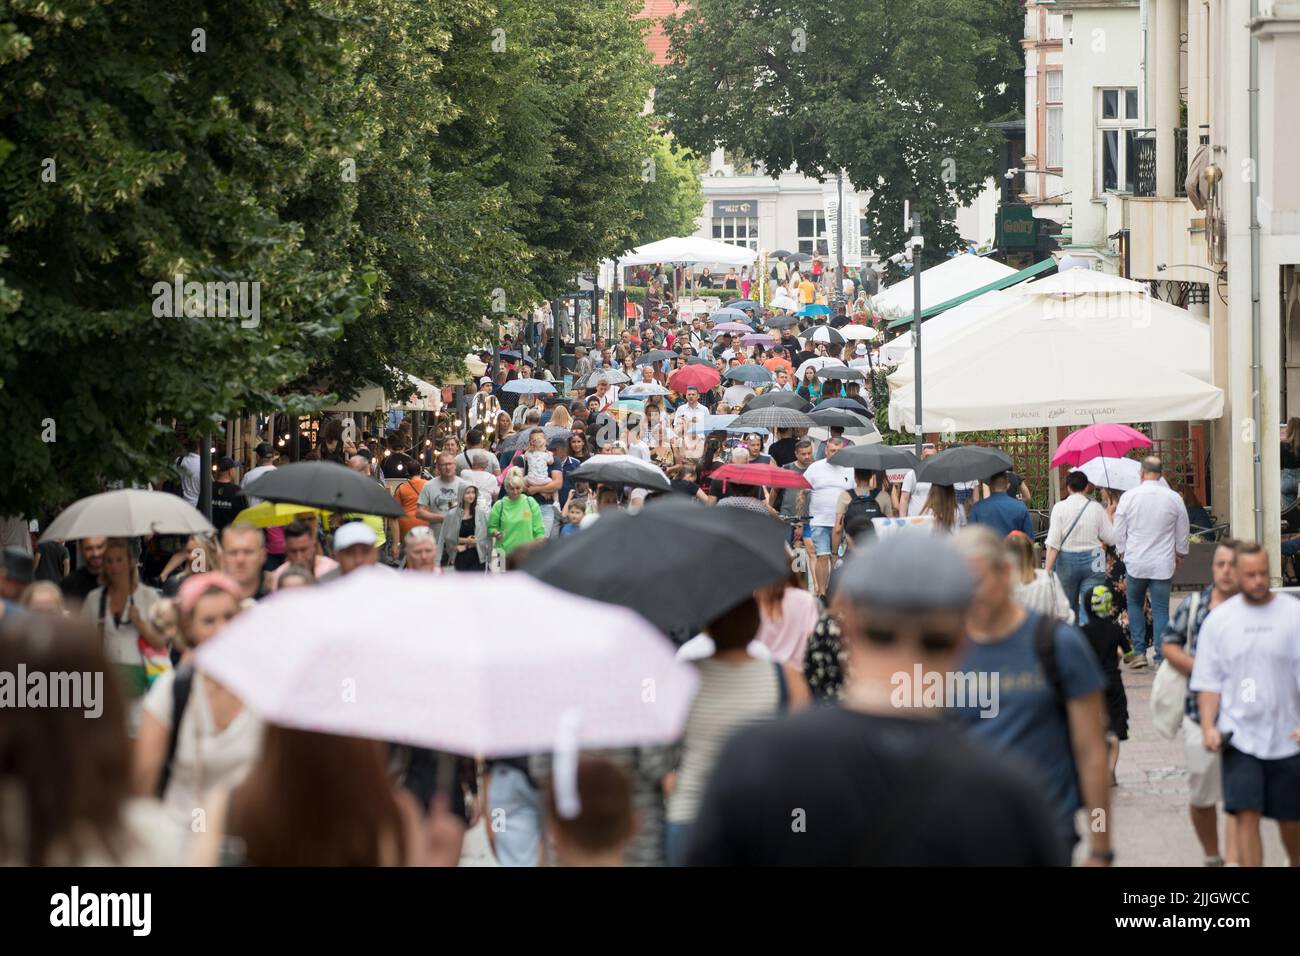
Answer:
(731, 695)
(1094, 525)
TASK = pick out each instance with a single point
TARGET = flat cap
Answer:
(911, 569)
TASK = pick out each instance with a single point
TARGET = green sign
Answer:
(1017, 227)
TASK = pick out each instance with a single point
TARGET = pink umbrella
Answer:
(1094, 441)
(506, 665)
(731, 327)
(757, 338)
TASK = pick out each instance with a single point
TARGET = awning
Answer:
(996, 285)
(946, 280)
(688, 250)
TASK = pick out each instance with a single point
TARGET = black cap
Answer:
(265, 450)
(225, 463)
(18, 565)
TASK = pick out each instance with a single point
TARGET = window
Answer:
(1117, 120)
(812, 232)
(864, 237)
(737, 231)
(1055, 26)
(1055, 113)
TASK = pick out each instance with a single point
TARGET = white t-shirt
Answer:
(205, 759)
(919, 490)
(189, 467)
(483, 480)
(828, 483)
(1250, 654)
(251, 477)
(688, 414)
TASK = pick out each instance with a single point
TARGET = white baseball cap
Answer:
(485, 380)
(354, 533)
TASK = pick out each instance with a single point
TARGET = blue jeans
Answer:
(1074, 571)
(1158, 589)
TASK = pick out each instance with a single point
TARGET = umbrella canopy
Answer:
(824, 333)
(779, 400)
(723, 423)
(843, 373)
(529, 386)
(1122, 474)
(644, 389)
(773, 417)
(128, 513)
(703, 377)
(504, 692)
(274, 514)
(758, 338)
(813, 309)
(835, 418)
(846, 404)
(1096, 441)
(730, 315)
(677, 541)
(963, 463)
(820, 362)
(611, 375)
(324, 484)
(688, 250)
(857, 425)
(742, 304)
(519, 439)
(621, 470)
(781, 254)
(699, 360)
(783, 301)
(874, 457)
(769, 476)
(727, 327)
(781, 321)
(947, 280)
(858, 333)
(656, 355)
(749, 372)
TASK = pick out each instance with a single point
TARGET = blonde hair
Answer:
(1023, 554)
(38, 588)
(561, 418)
(123, 544)
(515, 478)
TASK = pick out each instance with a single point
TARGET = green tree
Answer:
(671, 197)
(897, 93)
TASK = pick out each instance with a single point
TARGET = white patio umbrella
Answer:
(509, 664)
(126, 514)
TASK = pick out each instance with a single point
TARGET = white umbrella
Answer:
(1121, 474)
(783, 301)
(644, 388)
(127, 513)
(821, 361)
(509, 664)
(858, 332)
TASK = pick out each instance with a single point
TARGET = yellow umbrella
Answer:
(274, 514)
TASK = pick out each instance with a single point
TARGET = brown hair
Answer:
(734, 629)
(1023, 555)
(1293, 434)
(316, 799)
(607, 817)
(71, 772)
(120, 544)
(942, 503)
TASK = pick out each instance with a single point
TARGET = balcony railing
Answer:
(1144, 162)
(1180, 161)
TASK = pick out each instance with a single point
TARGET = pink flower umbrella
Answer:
(1106, 440)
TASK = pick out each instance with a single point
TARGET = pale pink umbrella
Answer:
(505, 665)
(757, 338)
(1106, 440)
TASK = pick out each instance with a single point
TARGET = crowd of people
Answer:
(797, 748)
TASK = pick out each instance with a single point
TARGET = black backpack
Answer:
(863, 505)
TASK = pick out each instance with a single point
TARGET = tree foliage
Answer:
(897, 93)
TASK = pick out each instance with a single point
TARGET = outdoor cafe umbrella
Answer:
(1122, 474)
(769, 476)
(621, 470)
(874, 457)
(773, 417)
(779, 400)
(749, 372)
(655, 356)
(826, 334)
(128, 513)
(529, 386)
(703, 377)
(963, 463)
(326, 485)
(677, 541)
(1095, 441)
(312, 659)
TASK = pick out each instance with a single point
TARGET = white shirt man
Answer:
(1151, 528)
(189, 466)
(690, 413)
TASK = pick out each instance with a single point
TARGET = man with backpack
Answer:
(1049, 707)
(860, 504)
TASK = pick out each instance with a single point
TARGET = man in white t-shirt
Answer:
(189, 467)
(691, 412)
(915, 492)
(736, 393)
(1246, 675)
(828, 483)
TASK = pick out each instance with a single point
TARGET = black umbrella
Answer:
(963, 463)
(874, 457)
(655, 355)
(834, 418)
(781, 254)
(713, 559)
(841, 372)
(844, 404)
(773, 416)
(326, 485)
(778, 400)
(697, 360)
(621, 470)
(781, 321)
